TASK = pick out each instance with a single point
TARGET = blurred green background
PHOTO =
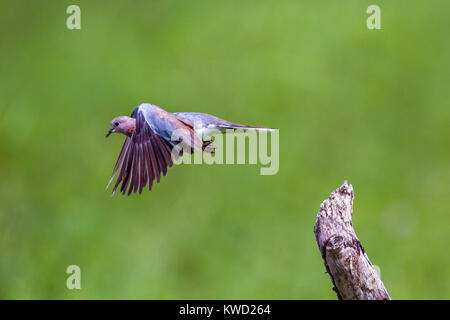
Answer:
(369, 106)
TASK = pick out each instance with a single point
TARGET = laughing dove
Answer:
(152, 134)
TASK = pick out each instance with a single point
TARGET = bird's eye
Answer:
(116, 124)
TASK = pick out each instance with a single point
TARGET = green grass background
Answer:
(369, 106)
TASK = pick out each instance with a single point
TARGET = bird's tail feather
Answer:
(235, 126)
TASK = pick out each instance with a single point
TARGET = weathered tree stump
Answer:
(352, 274)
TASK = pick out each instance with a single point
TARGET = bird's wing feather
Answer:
(144, 156)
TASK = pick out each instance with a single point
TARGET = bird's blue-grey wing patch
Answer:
(168, 126)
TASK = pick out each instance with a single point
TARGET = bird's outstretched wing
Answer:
(147, 153)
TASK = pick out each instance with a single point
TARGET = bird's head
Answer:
(123, 125)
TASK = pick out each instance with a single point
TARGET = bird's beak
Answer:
(109, 132)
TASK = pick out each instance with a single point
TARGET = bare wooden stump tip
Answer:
(352, 274)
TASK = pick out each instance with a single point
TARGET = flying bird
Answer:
(152, 133)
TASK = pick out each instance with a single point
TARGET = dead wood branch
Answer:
(352, 274)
